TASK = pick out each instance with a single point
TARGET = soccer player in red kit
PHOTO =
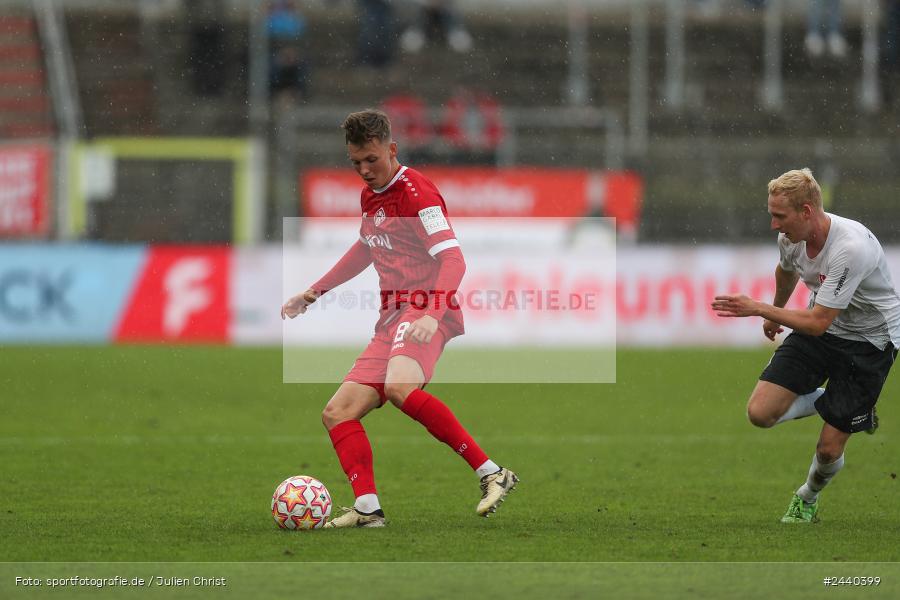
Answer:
(406, 234)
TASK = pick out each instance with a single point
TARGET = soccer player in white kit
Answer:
(848, 335)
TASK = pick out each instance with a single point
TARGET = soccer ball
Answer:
(301, 502)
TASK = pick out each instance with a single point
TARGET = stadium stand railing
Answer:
(25, 107)
(711, 140)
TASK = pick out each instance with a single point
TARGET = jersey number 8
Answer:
(401, 330)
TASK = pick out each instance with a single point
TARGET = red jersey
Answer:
(405, 225)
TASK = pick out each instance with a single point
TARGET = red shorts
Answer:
(371, 366)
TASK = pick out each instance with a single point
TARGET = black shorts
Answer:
(855, 372)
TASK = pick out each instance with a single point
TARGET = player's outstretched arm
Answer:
(814, 321)
(354, 262)
(298, 304)
(351, 264)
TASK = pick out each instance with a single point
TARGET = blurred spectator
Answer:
(411, 123)
(436, 20)
(288, 72)
(823, 29)
(615, 195)
(892, 34)
(714, 9)
(376, 33)
(707, 9)
(473, 126)
(207, 49)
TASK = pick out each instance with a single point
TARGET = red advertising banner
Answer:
(181, 295)
(24, 190)
(487, 192)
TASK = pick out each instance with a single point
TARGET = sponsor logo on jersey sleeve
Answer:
(841, 281)
(433, 220)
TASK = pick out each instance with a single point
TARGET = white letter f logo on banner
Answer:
(185, 293)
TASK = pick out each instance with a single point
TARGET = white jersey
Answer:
(851, 274)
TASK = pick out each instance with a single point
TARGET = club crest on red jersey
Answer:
(380, 217)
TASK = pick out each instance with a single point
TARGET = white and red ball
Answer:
(301, 502)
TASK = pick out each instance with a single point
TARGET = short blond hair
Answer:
(799, 187)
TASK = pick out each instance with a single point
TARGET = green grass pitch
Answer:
(170, 455)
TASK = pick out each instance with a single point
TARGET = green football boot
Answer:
(800, 511)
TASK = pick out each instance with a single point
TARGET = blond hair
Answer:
(799, 187)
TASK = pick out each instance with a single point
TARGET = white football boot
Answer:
(354, 518)
(494, 488)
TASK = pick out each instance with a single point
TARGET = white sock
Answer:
(803, 406)
(818, 478)
(487, 468)
(367, 503)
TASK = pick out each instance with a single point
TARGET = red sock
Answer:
(442, 424)
(355, 453)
